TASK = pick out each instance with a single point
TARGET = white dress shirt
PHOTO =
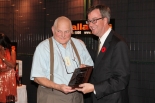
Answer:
(102, 40)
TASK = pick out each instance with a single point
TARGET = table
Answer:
(21, 94)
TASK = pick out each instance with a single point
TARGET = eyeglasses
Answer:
(66, 66)
(73, 60)
(93, 21)
(64, 60)
(66, 69)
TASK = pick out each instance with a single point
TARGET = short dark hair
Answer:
(104, 10)
(5, 41)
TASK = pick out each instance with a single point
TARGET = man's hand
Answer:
(66, 89)
(48, 83)
(82, 65)
(86, 88)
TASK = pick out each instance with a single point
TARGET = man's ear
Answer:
(105, 20)
(52, 28)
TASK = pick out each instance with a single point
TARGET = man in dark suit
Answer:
(110, 77)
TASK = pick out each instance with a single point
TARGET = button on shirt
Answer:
(41, 60)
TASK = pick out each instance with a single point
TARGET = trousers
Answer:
(48, 95)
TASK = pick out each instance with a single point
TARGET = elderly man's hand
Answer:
(82, 65)
(66, 89)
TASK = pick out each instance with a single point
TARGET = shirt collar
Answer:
(104, 36)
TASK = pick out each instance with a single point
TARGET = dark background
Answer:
(28, 22)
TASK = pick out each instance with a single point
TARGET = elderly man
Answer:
(65, 62)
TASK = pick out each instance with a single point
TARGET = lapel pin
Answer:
(103, 49)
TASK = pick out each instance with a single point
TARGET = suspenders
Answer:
(52, 56)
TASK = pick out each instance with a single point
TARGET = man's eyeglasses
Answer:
(93, 21)
(66, 66)
(64, 60)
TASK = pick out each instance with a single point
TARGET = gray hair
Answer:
(104, 10)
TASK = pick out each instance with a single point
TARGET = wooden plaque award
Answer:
(80, 75)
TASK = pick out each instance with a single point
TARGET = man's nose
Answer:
(63, 34)
(90, 24)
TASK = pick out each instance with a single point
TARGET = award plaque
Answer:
(80, 75)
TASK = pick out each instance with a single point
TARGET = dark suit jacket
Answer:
(111, 71)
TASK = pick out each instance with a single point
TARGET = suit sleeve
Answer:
(118, 71)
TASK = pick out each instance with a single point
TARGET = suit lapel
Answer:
(103, 49)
